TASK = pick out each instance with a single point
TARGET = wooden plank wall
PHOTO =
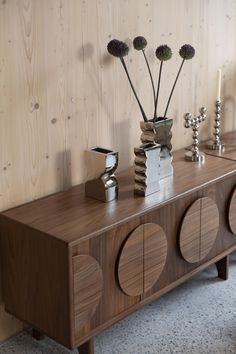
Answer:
(61, 93)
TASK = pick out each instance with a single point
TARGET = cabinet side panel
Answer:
(35, 279)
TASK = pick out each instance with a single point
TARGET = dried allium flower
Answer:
(117, 48)
(163, 52)
(120, 49)
(139, 43)
(187, 52)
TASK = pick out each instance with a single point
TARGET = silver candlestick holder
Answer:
(216, 144)
(195, 155)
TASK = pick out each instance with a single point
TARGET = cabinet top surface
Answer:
(70, 216)
(229, 151)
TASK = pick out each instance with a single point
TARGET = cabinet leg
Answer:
(223, 268)
(37, 334)
(87, 348)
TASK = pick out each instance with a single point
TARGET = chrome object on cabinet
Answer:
(216, 144)
(195, 155)
(147, 169)
(160, 133)
(101, 165)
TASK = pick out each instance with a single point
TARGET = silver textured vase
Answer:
(160, 133)
(147, 169)
(101, 165)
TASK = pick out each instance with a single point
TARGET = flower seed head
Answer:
(139, 43)
(117, 48)
(163, 52)
(187, 52)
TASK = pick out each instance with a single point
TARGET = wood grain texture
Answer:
(70, 216)
(190, 233)
(209, 225)
(35, 279)
(88, 284)
(229, 151)
(106, 246)
(142, 259)
(199, 229)
(61, 93)
(106, 249)
(154, 254)
(114, 304)
(131, 264)
(232, 212)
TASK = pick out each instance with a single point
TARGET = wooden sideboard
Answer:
(72, 266)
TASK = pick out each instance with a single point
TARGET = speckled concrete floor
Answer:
(199, 317)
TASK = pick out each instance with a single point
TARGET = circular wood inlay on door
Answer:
(88, 284)
(232, 212)
(199, 229)
(142, 259)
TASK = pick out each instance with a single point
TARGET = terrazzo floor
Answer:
(198, 317)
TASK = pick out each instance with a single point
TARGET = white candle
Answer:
(218, 84)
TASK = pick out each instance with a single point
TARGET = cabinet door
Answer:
(96, 297)
(199, 229)
(87, 289)
(142, 259)
(232, 212)
(155, 253)
(130, 268)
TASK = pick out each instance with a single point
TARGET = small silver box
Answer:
(101, 165)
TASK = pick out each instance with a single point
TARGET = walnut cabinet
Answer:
(72, 266)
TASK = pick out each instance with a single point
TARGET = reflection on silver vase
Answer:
(101, 165)
(160, 133)
(147, 169)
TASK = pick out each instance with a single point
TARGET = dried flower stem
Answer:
(132, 86)
(167, 106)
(150, 73)
(158, 89)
